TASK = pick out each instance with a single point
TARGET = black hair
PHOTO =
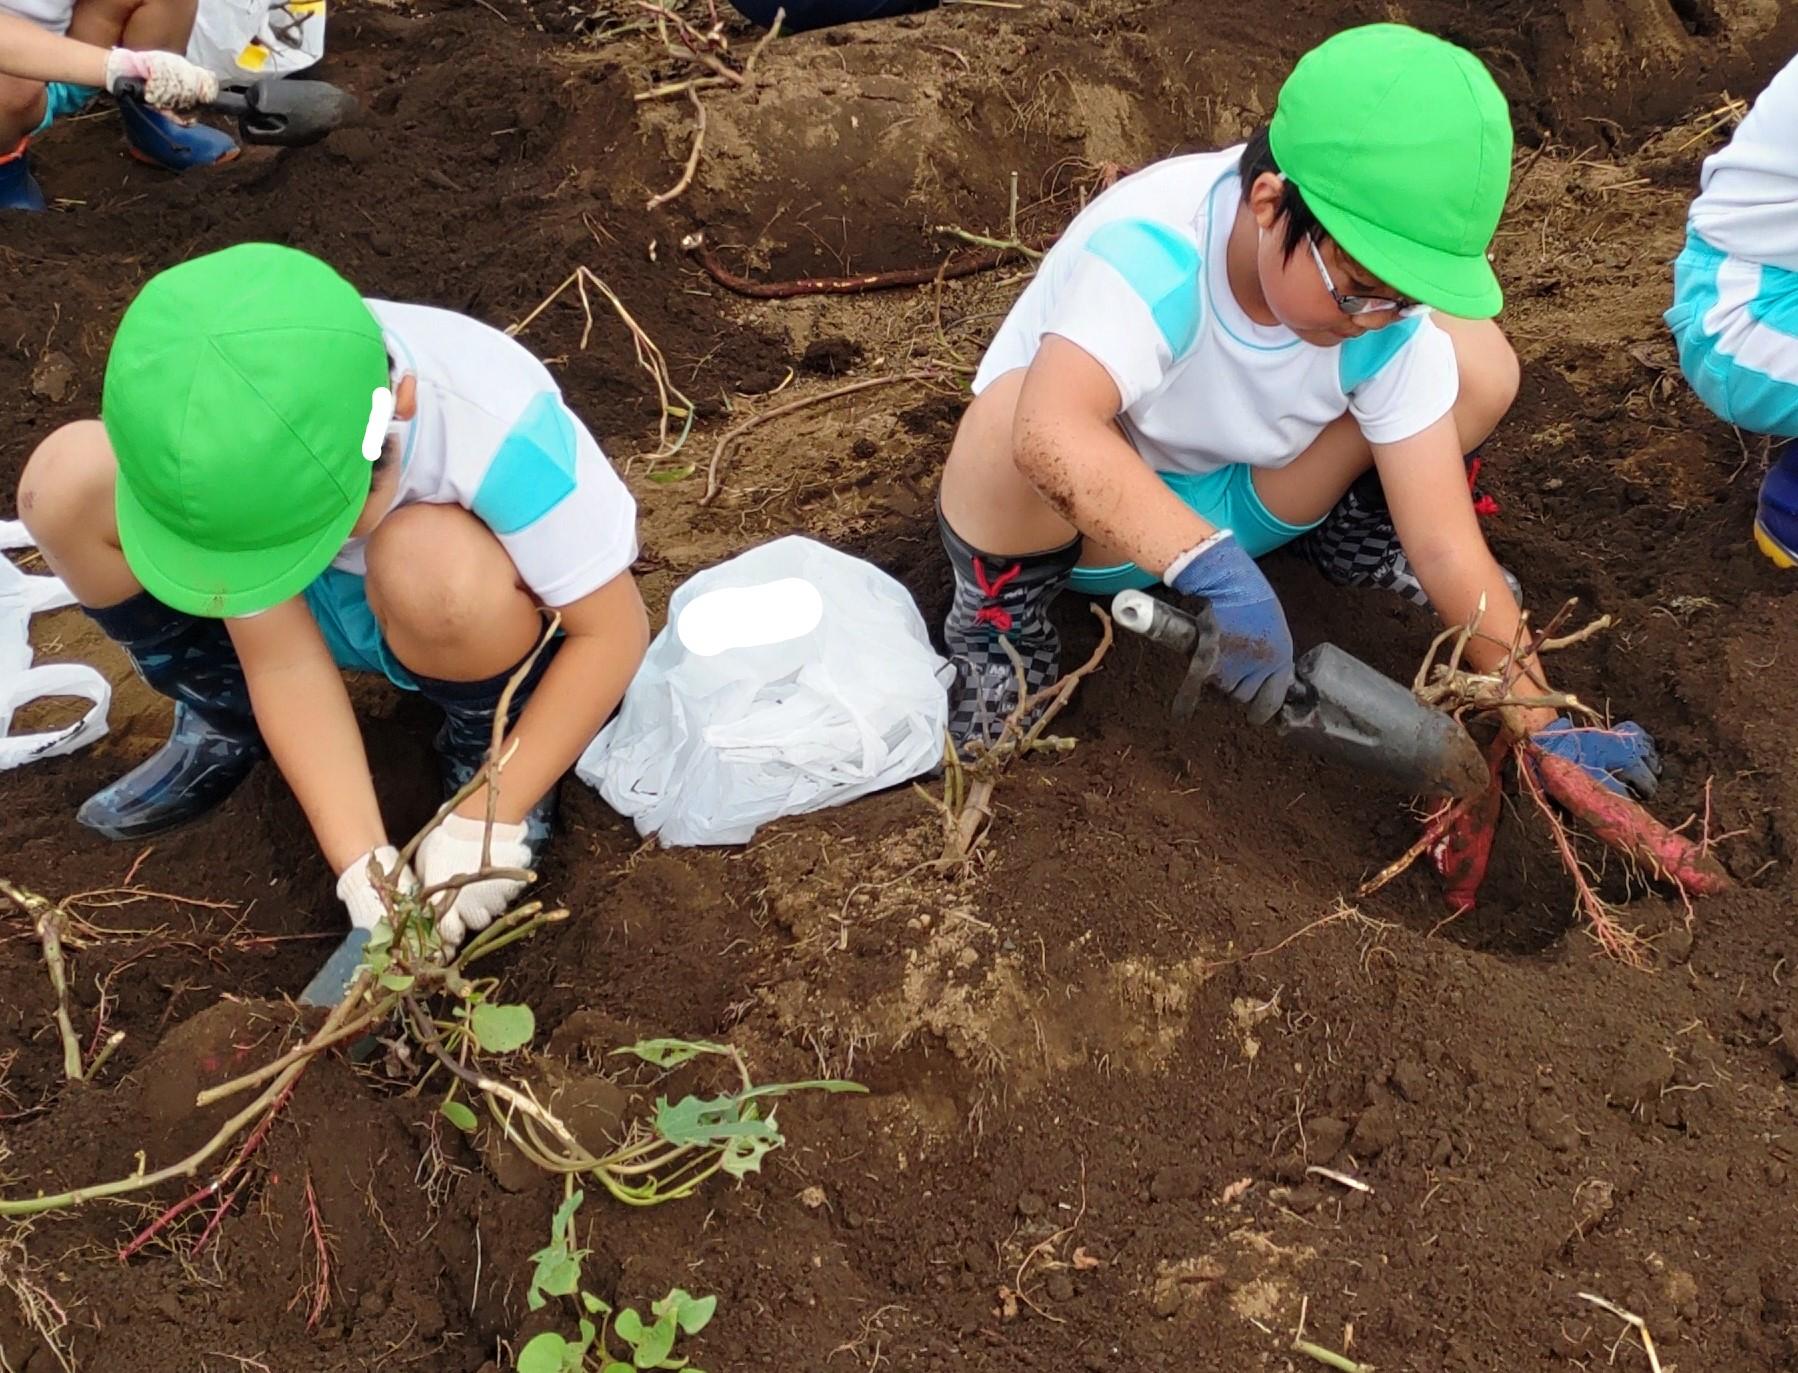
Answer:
(1300, 224)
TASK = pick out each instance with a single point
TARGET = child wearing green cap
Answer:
(288, 481)
(1218, 347)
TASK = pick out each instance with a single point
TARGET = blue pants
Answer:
(1736, 324)
(1225, 498)
(339, 602)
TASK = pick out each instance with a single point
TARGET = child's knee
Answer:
(1490, 372)
(21, 104)
(438, 574)
(67, 484)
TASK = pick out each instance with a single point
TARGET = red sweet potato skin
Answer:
(1627, 827)
(1463, 852)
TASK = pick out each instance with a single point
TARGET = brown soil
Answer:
(1148, 994)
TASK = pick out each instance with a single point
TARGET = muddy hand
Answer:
(1247, 638)
(1623, 759)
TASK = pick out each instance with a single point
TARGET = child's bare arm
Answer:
(303, 709)
(1432, 510)
(1066, 442)
(608, 634)
(31, 52)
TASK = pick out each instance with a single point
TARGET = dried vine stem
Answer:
(968, 786)
(731, 435)
(360, 1008)
(49, 921)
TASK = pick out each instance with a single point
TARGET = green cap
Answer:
(238, 396)
(1401, 146)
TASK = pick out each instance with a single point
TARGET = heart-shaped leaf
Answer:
(657, 1343)
(690, 1313)
(501, 1029)
(546, 1353)
(629, 1326)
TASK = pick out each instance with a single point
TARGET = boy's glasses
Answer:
(1357, 305)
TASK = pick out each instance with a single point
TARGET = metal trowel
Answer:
(1338, 706)
(286, 114)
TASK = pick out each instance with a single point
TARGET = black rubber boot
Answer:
(467, 733)
(999, 598)
(214, 744)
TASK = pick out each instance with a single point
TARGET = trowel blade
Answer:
(332, 982)
(1345, 710)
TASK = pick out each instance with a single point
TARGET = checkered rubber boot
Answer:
(1776, 513)
(999, 598)
(469, 709)
(1356, 545)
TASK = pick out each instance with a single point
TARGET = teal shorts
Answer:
(1225, 498)
(62, 99)
(339, 602)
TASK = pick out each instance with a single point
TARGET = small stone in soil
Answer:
(1324, 1138)
(1375, 1132)
(1031, 1205)
(1410, 1080)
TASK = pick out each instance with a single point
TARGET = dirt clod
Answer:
(1376, 1131)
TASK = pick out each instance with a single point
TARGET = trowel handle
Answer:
(1167, 625)
(229, 101)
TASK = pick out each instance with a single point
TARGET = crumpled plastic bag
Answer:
(791, 678)
(245, 40)
(21, 597)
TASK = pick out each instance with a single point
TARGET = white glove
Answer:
(358, 892)
(453, 850)
(170, 82)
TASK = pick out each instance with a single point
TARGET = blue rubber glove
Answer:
(1622, 759)
(1251, 645)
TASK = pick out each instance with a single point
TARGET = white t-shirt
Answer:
(1139, 281)
(1748, 197)
(493, 436)
(53, 15)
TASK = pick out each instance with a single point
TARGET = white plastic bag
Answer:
(243, 40)
(20, 683)
(791, 678)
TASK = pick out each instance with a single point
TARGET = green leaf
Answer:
(744, 1156)
(380, 937)
(710, 1121)
(830, 1084)
(565, 1213)
(629, 1326)
(559, 1276)
(691, 1313)
(589, 1332)
(657, 1343)
(671, 1053)
(594, 1304)
(546, 1353)
(669, 475)
(501, 1029)
(398, 982)
(458, 1114)
(616, 1367)
(377, 962)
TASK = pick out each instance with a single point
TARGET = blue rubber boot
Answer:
(215, 743)
(18, 187)
(164, 141)
(1776, 517)
(467, 733)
